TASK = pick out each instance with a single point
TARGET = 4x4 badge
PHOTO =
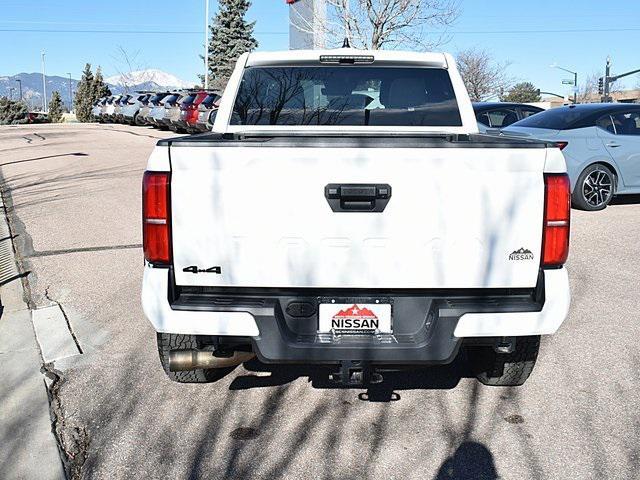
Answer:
(521, 254)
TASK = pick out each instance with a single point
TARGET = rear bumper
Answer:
(428, 327)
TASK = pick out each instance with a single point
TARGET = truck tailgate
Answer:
(457, 218)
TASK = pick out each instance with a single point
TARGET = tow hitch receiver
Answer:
(352, 373)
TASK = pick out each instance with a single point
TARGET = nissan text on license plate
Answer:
(354, 318)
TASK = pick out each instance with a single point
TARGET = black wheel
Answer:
(170, 341)
(594, 189)
(504, 369)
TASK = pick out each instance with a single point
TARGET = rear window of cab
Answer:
(352, 96)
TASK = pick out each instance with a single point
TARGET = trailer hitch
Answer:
(354, 373)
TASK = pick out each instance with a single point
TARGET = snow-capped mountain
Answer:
(152, 79)
(146, 78)
(31, 84)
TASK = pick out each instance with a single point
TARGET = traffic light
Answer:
(601, 86)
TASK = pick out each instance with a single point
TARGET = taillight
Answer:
(561, 145)
(155, 218)
(557, 208)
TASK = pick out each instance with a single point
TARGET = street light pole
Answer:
(206, 44)
(44, 87)
(575, 81)
(70, 97)
(20, 85)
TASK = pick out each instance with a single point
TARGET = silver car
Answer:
(108, 114)
(601, 144)
(96, 109)
(156, 115)
(132, 108)
(145, 111)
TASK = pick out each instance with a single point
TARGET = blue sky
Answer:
(530, 35)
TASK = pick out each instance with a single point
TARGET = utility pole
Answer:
(347, 25)
(20, 85)
(70, 97)
(206, 44)
(608, 79)
(44, 87)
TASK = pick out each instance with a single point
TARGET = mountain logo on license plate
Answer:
(355, 318)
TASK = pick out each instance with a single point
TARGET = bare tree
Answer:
(384, 24)
(484, 77)
(588, 91)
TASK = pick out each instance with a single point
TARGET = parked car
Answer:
(311, 229)
(103, 111)
(156, 115)
(131, 110)
(189, 110)
(601, 144)
(207, 112)
(172, 111)
(108, 114)
(37, 117)
(145, 111)
(121, 104)
(492, 116)
(96, 110)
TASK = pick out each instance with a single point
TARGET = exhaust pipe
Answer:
(182, 360)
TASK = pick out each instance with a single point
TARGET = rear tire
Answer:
(594, 189)
(504, 369)
(170, 341)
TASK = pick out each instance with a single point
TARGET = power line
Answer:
(136, 32)
(450, 32)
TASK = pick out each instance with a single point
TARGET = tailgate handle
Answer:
(357, 197)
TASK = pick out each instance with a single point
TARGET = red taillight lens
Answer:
(557, 208)
(155, 218)
(561, 145)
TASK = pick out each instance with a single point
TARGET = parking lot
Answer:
(73, 198)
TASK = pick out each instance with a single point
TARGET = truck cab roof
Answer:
(345, 56)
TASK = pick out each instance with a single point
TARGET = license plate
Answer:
(355, 318)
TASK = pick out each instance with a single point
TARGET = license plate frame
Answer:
(371, 316)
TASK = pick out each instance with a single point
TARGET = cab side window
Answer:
(627, 123)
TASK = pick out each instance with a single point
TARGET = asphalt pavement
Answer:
(74, 206)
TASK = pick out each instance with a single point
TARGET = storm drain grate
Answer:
(8, 268)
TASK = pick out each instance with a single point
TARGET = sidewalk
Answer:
(29, 448)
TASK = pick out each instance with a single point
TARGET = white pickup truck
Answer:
(344, 211)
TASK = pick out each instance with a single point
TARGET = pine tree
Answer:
(231, 36)
(83, 100)
(12, 112)
(55, 108)
(100, 89)
(524, 92)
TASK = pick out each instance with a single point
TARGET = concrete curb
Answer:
(29, 446)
